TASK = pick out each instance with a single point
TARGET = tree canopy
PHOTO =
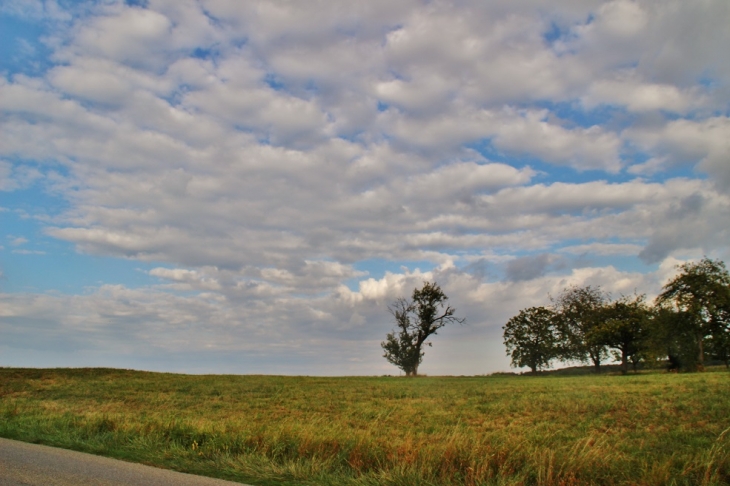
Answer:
(625, 329)
(580, 312)
(700, 295)
(531, 339)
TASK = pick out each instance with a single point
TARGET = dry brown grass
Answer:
(650, 429)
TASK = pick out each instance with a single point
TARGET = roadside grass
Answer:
(646, 429)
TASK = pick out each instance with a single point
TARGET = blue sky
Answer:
(217, 186)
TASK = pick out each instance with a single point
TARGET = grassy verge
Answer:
(648, 429)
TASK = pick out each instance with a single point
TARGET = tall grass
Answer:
(649, 429)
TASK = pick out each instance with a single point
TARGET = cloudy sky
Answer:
(225, 186)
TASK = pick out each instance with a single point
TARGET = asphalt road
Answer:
(24, 464)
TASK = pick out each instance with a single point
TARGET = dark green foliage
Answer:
(700, 298)
(689, 323)
(580, 312)
(400, 349)
(416, 320)
(719, 342)
(625, 329)
(531, 338)
(672, 339)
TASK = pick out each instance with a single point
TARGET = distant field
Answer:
(647, 429)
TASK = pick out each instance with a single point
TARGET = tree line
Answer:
(686, 325)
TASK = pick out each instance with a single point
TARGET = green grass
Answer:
(646, 429)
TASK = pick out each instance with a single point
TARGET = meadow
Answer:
(646, 429)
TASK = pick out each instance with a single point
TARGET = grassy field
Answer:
(647, 429)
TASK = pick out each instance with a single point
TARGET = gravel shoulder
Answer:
(37, 465)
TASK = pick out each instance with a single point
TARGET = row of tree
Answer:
(688, 323)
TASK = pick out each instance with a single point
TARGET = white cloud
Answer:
(421, 95)
(14, 177)
(582, 148)
(17, 240)
(485, 55)
(620, 19)
(127, 35)
(640, 96)
(177, 274)
(99, 86)
(704, 143)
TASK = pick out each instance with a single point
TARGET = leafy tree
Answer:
(670, 339)
(625, 329)
(580, 313)
(531, 339)
(416, 320)
(719, 342)
(700, 297)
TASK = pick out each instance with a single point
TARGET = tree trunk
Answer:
(701, 366)
(596, 362)
(635, 365)
(624, 363)
(595, 354)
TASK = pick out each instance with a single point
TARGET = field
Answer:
(646, 429)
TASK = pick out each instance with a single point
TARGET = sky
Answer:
(218, 186)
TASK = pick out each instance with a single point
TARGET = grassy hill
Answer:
(646, 429)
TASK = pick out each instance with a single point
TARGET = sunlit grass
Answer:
(647, 429)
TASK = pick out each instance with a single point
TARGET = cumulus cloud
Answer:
(582, 148)
(640, 96)
(703, 144)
